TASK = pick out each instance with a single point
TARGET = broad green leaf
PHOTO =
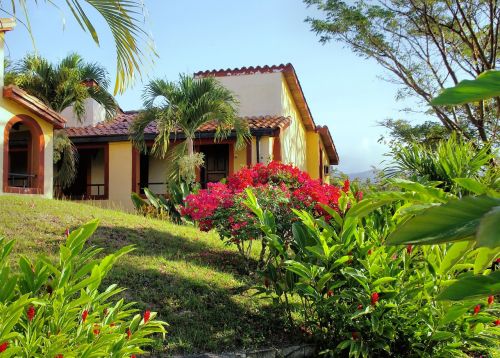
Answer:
(472, 287)
(472, 185)
(488, 234)
(453, 313)
(484, 258)
(487, 85)
(454, 254)
(454, 221)
(383, 280)
(441, 335)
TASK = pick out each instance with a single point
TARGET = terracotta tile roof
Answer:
(326, 137)
(33, 104)
(119, 126)
(291, 79)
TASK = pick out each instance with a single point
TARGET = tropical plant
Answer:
(58, 309)
(354, 295)
(68, 83)
(451, 158)
(125, 20)
(425, 46)
(182, 108)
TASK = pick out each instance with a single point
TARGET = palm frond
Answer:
(65, 160)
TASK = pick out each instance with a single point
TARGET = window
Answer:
(23, 166)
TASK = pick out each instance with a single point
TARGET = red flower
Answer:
(146, 317)
(359, 195)
(96, 331)
(59, 356)
(374, 298)
(491, 299)
(355, 335)
(347, 185)
(329, 293)
(477, 309)
(85, 313)
(497, 322)
(370, 252)
(66, 233)
(3, 346)
(132, 356)
(31, 313)
(498, 260)
(129, 333)
(360, 307)
(409, 249)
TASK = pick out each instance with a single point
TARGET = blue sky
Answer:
(344, 91)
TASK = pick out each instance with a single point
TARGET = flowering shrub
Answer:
(356, 296)
(279, 188)
(58, 310)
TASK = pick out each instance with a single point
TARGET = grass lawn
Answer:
(189, 277)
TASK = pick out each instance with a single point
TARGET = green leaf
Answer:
(442, 335)
(456, 220)
(484, 258)
(453, 313)
(472, 287)
(488, 234)
(487, 85)
(383, 280)
(454, 254)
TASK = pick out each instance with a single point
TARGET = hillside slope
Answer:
(189, 277)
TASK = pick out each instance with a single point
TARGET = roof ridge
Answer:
(245, 70)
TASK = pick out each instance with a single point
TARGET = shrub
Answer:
(343, 286)
(57, 310)
(278, 186)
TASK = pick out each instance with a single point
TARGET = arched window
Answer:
(23, 159)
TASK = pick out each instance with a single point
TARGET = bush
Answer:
(279, 188)
(57, 310)
(341, 285)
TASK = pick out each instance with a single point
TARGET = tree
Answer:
(401, 131)
(427, 45)
(68, 83)
(125, 20)
(184, 107)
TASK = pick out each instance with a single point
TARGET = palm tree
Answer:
(184, 106)
(59, 86)
(125, 19)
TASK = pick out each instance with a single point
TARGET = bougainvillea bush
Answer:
(279, 188)
(356, 296)
(58, 310)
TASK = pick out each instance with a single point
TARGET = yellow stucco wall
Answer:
(9, 109)
(293, 138)
(312, 140)
(120, 174)
(240, 158)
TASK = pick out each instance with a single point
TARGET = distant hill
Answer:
(367, 174)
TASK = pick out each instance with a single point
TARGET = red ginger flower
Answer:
(96, 331)
(85, 313)
(360, 307)
(355, 335)
(30, 313)
(132, 356)
(59, 356)
(409, 249)
(146, 317)
(374, 297)
(329, 293)
(491, 299)
(3, 346)
(497, 322)
(477, 309)
(66, 233)
(129, 333)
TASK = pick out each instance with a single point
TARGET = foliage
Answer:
(450, 159)
(425, 45)
(188, 165)
(403, 132)
(57, 310)
(183, 107)
(125, 20)
(162, 207)
(280, 188)
(342, 285)
(65, 84)
(65, 160)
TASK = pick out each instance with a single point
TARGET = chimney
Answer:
(6, 24)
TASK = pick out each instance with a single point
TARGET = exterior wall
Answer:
(9, 109)
(265, 149)
(326, 161)
(120, 174)
(259, 94)
(313, 160)
(157, 174)
(94, 113)
(293, 138)
(240, 158)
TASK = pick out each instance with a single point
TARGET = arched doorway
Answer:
(23, 159)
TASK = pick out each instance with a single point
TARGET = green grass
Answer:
(193, 281)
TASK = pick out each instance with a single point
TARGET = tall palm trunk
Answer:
(190, 146)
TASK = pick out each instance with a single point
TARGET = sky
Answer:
(344, 91)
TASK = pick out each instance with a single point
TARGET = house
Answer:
(26, 132)
(271, 100)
